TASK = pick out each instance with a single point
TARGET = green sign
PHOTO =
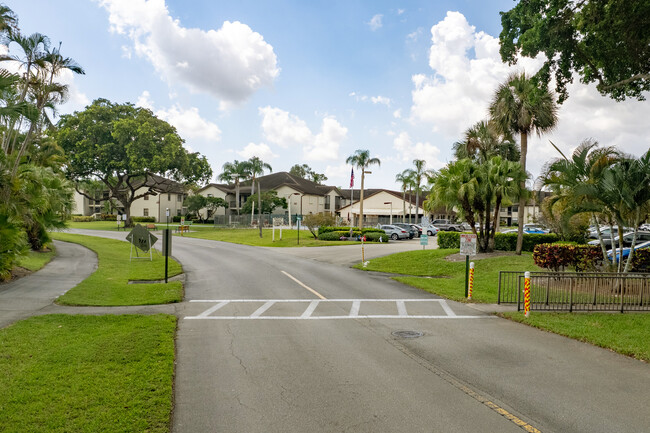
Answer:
(141, 238)
(424, 239)
(298, 218)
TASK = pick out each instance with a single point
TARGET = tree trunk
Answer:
(417, 204)
(522, 197)
(403, 205)
(259, 207)
(237, 194)
(600, 237)
(363, 175)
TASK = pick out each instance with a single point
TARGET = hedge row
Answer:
(372, 236)
(502, 241)
(143, 219)
(557, 257)
(327, 229)
(82, 219)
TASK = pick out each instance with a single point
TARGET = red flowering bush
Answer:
(559, 256)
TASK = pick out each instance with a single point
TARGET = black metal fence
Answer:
(566, 291)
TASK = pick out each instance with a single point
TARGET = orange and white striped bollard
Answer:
(471, 281)
(527, 294)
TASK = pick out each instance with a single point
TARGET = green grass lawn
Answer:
(35, 260)
(66, 373)
(622, 333)
(108, 285)
(252, 237)
(449, 277)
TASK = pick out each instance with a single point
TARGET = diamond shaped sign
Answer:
(141, 238)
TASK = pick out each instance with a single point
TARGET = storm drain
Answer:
(407, 334)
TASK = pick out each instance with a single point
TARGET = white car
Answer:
(431, 230)
(395, 232)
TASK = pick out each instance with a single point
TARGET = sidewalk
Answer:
(29, 295)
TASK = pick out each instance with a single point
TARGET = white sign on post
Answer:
(468, 243)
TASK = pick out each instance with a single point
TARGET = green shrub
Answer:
(372, 230)
(327, 229)
(373, 236)
(329, 236)
(107, 217)
(448, 240)
(82, 219)
(641, 260)
(176, 219)
(143, 219)
(560, 256)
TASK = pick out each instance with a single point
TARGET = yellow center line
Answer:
(304, 285)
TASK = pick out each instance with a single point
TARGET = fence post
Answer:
(571, 295)
(595, 285)
(622, 283)
(527, 294)
(642, 290)
(518, 292)
(471, 281)
(548, 283)
(499, 290)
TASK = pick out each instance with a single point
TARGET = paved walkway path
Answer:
(33, 293)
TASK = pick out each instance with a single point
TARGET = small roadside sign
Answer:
(299, 218)
(424, 239)
(468, 243)
(141, 238)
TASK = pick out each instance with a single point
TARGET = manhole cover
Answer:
(407, 334)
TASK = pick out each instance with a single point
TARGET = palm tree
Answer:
(256, 167)
(520, 106)
(417, 176)
(483, 141)
(361, 159)
(403, 178)
(236, 171)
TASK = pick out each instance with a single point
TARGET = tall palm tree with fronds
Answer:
(362, 160)
(417, 176)
(235, 171)
(520, 106)
(403, 179)
(256, 167)
(483, 140)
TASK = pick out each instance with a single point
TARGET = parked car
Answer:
(395, 232)
(528, 231)
(447, 225)
(431, 230)
(641, 236)
(413, 232)
(418, 229)
(606, 231)
(535, 228)
(626, 251)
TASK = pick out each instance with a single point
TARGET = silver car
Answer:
(395, 232)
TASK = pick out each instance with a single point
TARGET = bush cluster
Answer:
(82, 219)
(641, 261)
(372, 235)
(107, 217)
(143, 219)
(560, 256)
(502, 241)
(327, 229)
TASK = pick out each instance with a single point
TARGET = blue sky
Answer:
(309, 82)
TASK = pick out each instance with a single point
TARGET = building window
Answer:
(209, 195)
(169, 197)
(179, 197)
(178, 212)
(327, 201)
(145, 212)
(146, 197)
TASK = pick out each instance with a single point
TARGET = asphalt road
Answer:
(250, 361)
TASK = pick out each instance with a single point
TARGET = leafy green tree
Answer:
(214, 203)
(269, 202)
(235, 171)
(417, 176)
(195, 203)
(125, 147)
(603, 41)
(404, 179)
(519, 106)
(362, 160)
(306, 172)
(314, 221)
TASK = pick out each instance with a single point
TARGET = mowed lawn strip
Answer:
(108, 285)
(252, 237)
(73, 373)
(35, 260)
(623, 333)
(430, 271)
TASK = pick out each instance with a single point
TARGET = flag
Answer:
(352, 179)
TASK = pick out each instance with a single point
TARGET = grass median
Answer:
(109, 284)
(68, 373)
(35, 260)
(430, 270)
(623, 333)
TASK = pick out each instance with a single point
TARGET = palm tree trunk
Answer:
(259, 207)
(600, 237)
(410, 207)
(363, 175)
(403, 205)
(628, 264)
(522, 198)
(417, 203)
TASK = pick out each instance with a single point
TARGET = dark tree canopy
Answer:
(604, 41)
(126, 147)
(306, 172)
(270, 201)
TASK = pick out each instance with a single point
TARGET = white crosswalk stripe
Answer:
(374, 308)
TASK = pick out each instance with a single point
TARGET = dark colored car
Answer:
(409, 228)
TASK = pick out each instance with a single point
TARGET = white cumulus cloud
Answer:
(262, 151)
(230, 63)
(409, 151)
(285, 129)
